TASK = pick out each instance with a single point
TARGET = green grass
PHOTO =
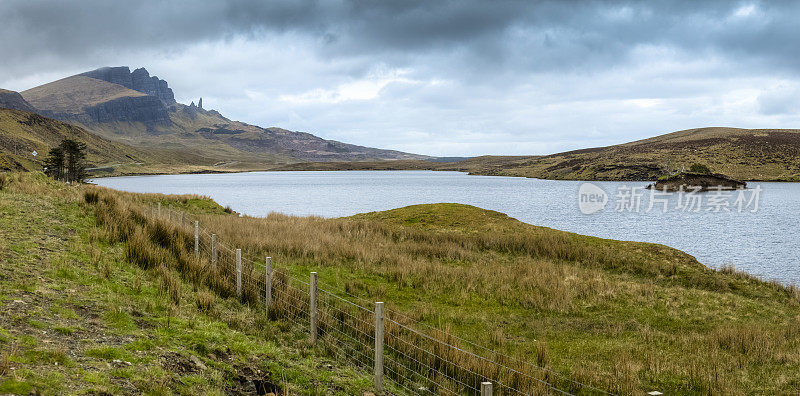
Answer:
(622, 316)
(86, 313)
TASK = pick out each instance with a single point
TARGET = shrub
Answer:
(699, 168)
(91, 197)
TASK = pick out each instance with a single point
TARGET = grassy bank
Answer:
(77, 317)
(621, 316)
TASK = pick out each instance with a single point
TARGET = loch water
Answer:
(761, 240)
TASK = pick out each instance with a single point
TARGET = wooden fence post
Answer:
(379, 347)
(169, 213)
(214, 251)
(486, 389)
(268, 284)
(197, 240)
(183, 219)
(159, 210)
(313, 308)
(239, 272)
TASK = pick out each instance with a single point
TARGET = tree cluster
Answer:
(67, 161)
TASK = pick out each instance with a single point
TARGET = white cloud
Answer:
(780, 100)
(362, 89)
(745, 11)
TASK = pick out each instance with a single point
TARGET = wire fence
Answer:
(417, 358)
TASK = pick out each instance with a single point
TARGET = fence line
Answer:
(407, 357)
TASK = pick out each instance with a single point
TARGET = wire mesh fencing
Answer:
(410, 356)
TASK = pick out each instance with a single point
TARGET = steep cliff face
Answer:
(138, 80)
(146, 109)
(13, 100)
(153, 86)
(88, 101)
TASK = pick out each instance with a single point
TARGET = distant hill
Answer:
(13, 100)
(140, 110)
(25, 132)
(486, 164)
(745, 154)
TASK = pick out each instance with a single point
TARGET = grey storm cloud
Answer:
(438, 77)
(527, 34)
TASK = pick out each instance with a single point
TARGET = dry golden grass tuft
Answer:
(170, 284)
(205, 301)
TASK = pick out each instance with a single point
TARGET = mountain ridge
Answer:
(139, 110)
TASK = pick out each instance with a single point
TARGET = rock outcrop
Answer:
(138, 80)
(13, 100)
(145, 109)
(688, 181)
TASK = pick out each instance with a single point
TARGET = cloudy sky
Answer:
(450, 78)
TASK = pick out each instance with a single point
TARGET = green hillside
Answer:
(24, 132)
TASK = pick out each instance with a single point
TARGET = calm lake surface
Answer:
(764, 242)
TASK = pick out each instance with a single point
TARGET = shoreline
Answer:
(709, 261)
(471, 173)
